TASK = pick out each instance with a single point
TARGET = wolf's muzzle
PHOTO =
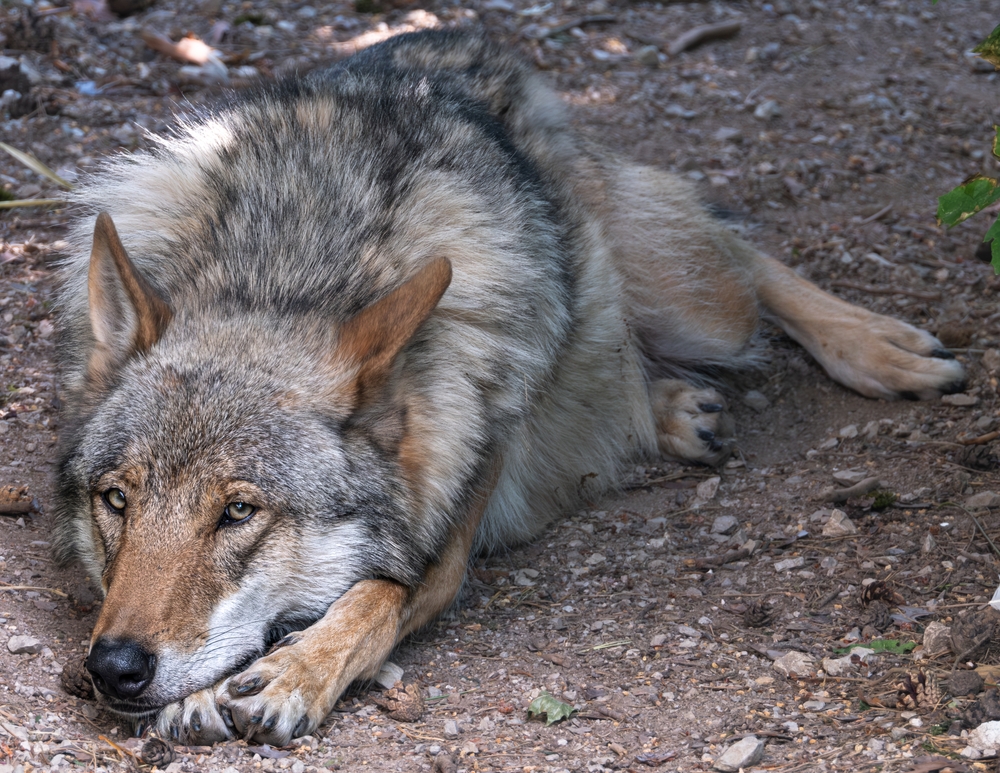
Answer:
(121, 668)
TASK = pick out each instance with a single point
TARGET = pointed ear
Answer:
(375, 336)
(127, 315)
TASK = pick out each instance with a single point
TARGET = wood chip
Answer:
(15, 500)
(191, 50)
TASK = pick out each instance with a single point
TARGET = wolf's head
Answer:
(229, 472)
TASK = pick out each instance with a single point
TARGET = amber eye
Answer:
(115, 498)
(236, 512)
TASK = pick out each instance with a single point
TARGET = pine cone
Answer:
(981, 457)
(971, 634)
(403, 704)
(880, 591)
(157, 752)
(758, 614)
(918, 691)
(877, 616)
(76, 680)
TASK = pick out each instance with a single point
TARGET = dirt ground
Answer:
(696, 607)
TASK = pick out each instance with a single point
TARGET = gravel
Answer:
(824, 131)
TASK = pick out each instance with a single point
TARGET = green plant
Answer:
(979, 191)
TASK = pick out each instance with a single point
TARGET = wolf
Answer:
(323, 344)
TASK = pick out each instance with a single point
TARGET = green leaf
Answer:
(881, 645)
(35, 165)
(996, 141)
(553, 708)
(967, 199)
(989, 49)
(993, 236)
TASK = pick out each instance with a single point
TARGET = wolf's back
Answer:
(312, 199)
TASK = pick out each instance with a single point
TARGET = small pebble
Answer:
(24, 645)
(648, 55)
(756, 400)
(742, 754)
(728, 134)
(937, 639)
(797, 663)
(850, 477)
(839, 525)
(767, 110)
(960, 400)
(708, 488)
(983, 499)
(965, 683)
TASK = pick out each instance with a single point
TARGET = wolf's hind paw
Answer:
(691, 423)
(889, 358)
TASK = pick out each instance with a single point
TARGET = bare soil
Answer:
(825, 130)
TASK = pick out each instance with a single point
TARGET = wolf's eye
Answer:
(115, 498)
(236, 512)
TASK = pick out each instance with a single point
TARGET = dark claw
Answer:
(955, 386)
(942, 354)
(909, 395)
(248, 686)
(256, 719)
(271, 722)
(710, 407)
(300, 727)
(175, 732)
(140, 728)
(227, 717)
(196, 721)
(707, 435)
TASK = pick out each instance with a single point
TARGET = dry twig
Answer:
(711, 562)
(698, 35)
(981, 440)
(837, 495)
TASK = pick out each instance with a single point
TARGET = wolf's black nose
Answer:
(121, 669)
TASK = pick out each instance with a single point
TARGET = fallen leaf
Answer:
(553, 708)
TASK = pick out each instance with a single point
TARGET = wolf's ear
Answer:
(375, 336)
(127, 315)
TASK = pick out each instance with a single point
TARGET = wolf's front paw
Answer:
(194, 721)
(280, 697)
(691, 423)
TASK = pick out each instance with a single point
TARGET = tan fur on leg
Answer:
(876, 355)
(290, 691)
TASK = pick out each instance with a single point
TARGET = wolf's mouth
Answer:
(132, 710)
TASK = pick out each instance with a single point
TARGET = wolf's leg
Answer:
(289, 692)
(693, 289)
(875, 355)
(196, 720)
(691, 422)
